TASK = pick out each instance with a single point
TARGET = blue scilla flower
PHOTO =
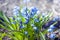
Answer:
(26, 32)
(52, 35)
(24, 10)
(52, 27)
(16, 10)
(36, 20)
(59, 18)
(44, 14)
(56, 18)
(32, 14)
(17, 7)
(27, 20)
(17, 19)
(33, 11)
(15, 13)
(21, 25)
(38, 12)
(20, 22)
(50, 30)
(35, 28)
(32, 25)
(25, 13)
(27, 16)
(48, 24)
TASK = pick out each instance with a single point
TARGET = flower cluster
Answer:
(52, 36)
(26, 22)
(26, 15)
(51, 28)
(16, 10)
(29, 23)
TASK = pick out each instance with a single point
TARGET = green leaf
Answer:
(42, 36)
(7, 25)
(23, 19)
(1, 13)
(6, 18)
(18, 36)
(0, 38)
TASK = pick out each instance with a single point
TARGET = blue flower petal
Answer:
(32, 25)
(52, 36)
(17, 7)
(52, 26)
(27, 20)
(56, 18)
(36, 20)
(34, 10)
(50, 30)
(35, 28)
(26, 32)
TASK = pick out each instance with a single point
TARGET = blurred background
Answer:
(43, 5)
